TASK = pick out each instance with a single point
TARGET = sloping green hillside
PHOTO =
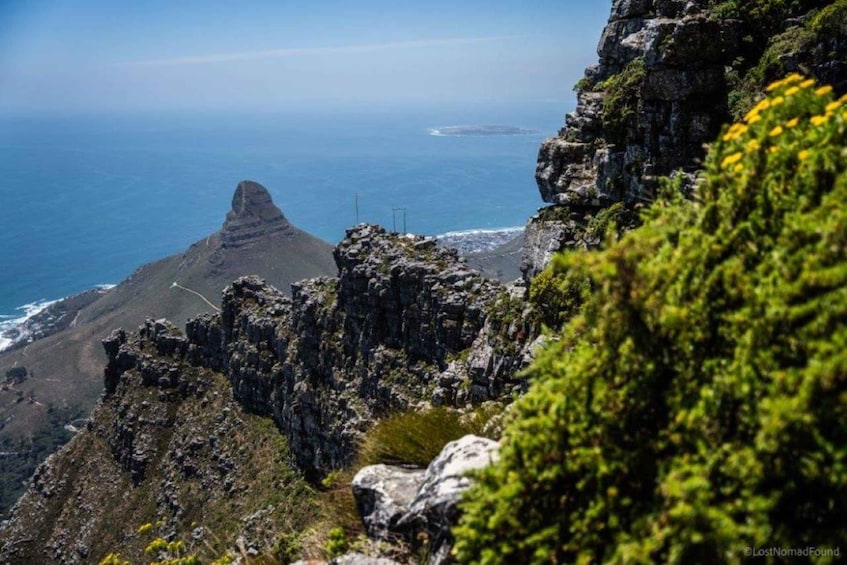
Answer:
(696, 405)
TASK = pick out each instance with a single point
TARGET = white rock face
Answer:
(383, 495)
(398, 501)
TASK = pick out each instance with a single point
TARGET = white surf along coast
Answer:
(478, 240)
(18, 328)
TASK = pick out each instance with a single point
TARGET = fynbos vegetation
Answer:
(697, 403)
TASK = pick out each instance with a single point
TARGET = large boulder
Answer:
(435, 509)
(422, 505)
(383, 495)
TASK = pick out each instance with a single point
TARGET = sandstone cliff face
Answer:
(405, 323)
(661, 89)
(663, 62)
(679, 104)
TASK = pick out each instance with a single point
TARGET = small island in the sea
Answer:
(481, 130)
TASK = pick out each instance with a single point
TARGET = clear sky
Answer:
(160, 55)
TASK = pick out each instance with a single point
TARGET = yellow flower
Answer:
(791, 91)
(731, 159)
(752, 145)
(738, 168)
(793, 77)
(777, 101)
(735, 131)
(807, 83)
(824, 90)
(774, 85)
(776, 131)
(755, 119)
(773, 149)
(792, 123)
(833, 106)
(818, 120)
(803, 155)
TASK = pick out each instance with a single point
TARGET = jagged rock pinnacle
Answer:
(253, 216)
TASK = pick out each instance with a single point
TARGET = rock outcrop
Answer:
(383, 495)
(421, 506)
(253, 217)
(656, 96)
(168, 444)
(404, 323)
(672, 102)
(65, 360)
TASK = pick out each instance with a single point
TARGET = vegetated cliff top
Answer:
(669, 75)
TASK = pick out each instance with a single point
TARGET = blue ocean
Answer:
(86, 200)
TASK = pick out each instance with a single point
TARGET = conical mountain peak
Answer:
(253, 216)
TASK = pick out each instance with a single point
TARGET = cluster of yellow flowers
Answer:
(747, 137)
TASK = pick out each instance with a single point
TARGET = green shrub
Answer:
(831, 21)
(770, 66)
(584, 84)
(765, 17)
(337, 543)
(697, 403)
(770, 46)
(623, 96)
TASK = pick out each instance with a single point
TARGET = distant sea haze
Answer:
(85, 201)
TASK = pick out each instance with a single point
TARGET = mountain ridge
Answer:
(65, 368)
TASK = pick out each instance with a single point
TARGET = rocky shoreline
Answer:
(53, 318)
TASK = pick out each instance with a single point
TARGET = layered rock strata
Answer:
(253, 216)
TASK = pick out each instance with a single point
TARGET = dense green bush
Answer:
(697, 403)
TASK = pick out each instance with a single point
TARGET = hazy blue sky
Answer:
(107, 55)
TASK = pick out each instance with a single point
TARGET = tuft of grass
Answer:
(416, 438)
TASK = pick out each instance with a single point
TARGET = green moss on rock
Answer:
(623, 95)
